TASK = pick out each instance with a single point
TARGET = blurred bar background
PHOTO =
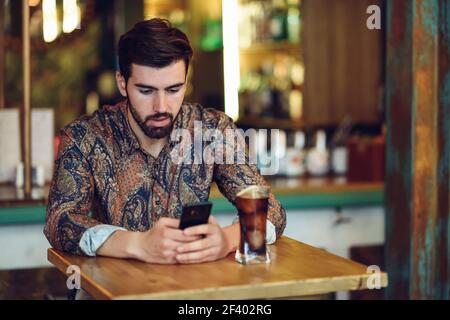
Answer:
(357, 110)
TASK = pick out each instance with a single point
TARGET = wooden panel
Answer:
(417, 173)
(343, 61)
(442, 281)
(424, 190)
(2, 54)
(296, 270)
(317, 57)
(398, 157)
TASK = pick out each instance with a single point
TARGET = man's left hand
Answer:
(212, 247)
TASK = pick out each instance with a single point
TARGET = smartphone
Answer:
(194, 214)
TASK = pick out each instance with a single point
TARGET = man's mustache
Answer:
(159, 115)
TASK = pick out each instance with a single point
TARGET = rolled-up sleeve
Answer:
(93, 238)
(70, 199)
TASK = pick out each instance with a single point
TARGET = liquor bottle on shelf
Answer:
(211, 39)
(296, 94)
(271, 68)
(274, 89)
(279, 103)
(317, 159)
(295, 156)
(254, 23)
(281, 86)
(338, 147)
(278, 23)
(266, 21)
(293, 21)
(255, 96)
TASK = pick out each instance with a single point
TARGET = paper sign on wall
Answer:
(9, 144)
(42, 133)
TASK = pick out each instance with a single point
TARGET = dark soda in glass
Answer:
(252, 204)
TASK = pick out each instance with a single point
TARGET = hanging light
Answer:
(71, 16)
(33, 3)
(231, 57)
(50, 20)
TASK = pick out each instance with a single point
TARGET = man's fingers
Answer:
(200, 229)
(197, 256)
(169, 245)
(169, 222)
(178, 235)
(199, 245)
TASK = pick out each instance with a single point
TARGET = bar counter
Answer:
(293, 193)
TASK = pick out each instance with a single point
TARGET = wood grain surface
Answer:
(296, 270)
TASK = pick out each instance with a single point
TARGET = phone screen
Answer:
(195, 214)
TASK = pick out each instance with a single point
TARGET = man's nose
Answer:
(160, 103)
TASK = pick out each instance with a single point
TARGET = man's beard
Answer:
(150, 131)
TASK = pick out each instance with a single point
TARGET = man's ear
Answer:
(121, 84)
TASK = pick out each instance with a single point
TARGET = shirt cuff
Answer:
(93, 238)
(271, 235)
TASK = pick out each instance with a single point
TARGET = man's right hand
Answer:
(157, 245)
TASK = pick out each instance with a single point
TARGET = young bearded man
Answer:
(116, 190)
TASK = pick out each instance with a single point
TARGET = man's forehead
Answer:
(160, 78)
(174, 70)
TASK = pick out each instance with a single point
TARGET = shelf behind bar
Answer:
(293, 193)
(271, 46)
(270, 123)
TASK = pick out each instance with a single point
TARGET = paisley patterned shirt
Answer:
(103, 177)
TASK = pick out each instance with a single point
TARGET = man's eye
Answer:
(174, 90)
(148, 91)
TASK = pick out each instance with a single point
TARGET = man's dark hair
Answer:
(153, 43)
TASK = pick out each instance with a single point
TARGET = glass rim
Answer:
(253, 191)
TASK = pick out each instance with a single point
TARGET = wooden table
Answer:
(297, 270)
